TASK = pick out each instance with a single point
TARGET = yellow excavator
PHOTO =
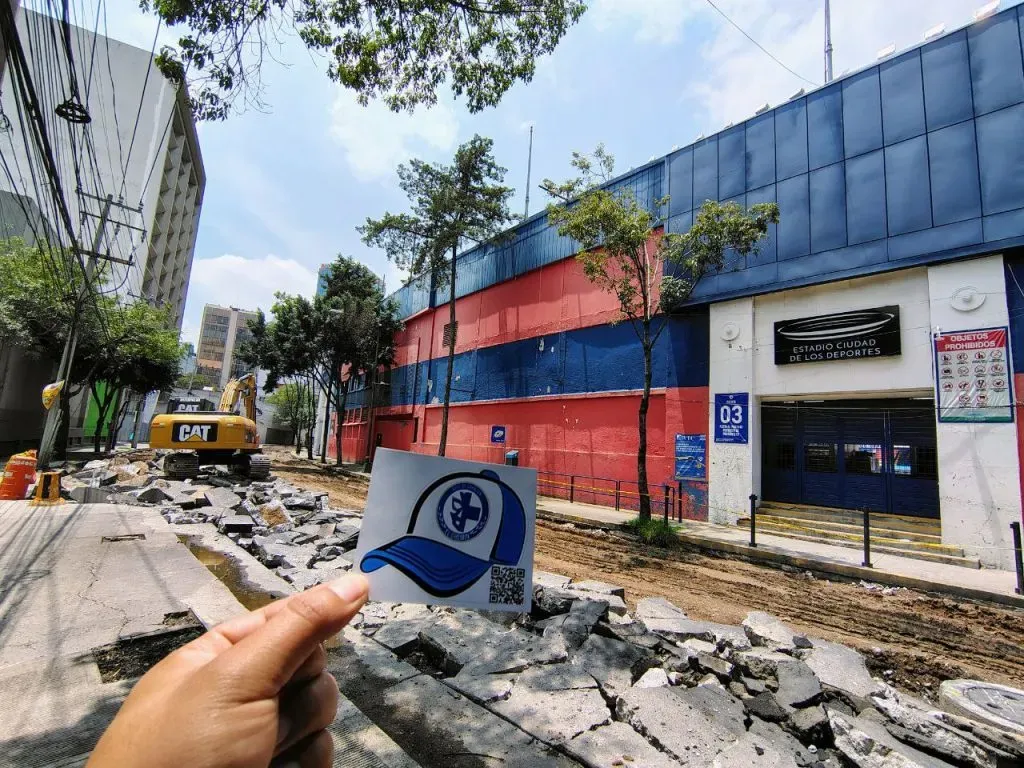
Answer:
(216, 437)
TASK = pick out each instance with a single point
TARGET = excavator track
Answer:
(181, 466)
(259, 466)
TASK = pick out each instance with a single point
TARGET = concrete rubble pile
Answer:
(579, 680)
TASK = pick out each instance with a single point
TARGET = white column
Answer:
(733, 469)
(979, 472)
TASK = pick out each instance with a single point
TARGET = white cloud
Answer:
(738, 78)
(234, 281)
(375, 139)
(656, 21)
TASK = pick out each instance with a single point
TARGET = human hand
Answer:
(250, 691)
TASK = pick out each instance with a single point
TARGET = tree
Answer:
(195, 380)
(357, 327)
(399, 50)
(452, 205)
(293, 402)
(146, 356)
(623, 250)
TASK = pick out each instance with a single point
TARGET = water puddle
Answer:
(229, 573)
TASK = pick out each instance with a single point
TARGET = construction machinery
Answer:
(218, 437)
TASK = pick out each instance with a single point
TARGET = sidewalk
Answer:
(981, 584)
(72, 580)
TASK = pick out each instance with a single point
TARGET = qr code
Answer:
(508, 585)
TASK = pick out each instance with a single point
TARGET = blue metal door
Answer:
(877, 455)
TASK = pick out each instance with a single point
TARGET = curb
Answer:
(812, 564)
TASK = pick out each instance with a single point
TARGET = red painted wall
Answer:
(1018, 383)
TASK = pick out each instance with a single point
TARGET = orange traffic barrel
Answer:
(19, 474)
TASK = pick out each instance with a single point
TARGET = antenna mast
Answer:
(828, 43)
(529, 167)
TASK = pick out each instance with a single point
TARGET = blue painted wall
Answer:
(917, 159)
(1014, 266)
(601, 358)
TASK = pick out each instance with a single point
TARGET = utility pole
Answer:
(370, 416)
(53, 416)
(828, 43)
(529, 166)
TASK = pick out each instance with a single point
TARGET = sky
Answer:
(287, 186)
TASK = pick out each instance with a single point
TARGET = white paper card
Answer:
(448, 532)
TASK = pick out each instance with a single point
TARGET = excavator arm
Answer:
(243, 389)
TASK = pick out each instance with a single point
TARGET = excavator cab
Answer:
(223, 436)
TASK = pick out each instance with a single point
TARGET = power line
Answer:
(138, 113)
(764, 50)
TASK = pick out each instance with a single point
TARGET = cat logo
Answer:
(195, 433)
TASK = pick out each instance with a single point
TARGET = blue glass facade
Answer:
(919, 158)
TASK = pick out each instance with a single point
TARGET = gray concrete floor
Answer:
(64, 590)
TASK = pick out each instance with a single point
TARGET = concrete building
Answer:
(140, 147)
(860, 360)
(223, 328)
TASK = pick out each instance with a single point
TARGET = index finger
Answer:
(265, 658)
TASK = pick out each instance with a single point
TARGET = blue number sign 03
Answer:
(732, 411)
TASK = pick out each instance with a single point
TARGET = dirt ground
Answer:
(344, 492)
(914, 640)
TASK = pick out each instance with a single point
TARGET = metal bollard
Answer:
(753, 520)
(618, 492)
(666, 505)
(1017, 557)
(572, 488)
(867, 539)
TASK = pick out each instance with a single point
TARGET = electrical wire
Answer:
(764, 50)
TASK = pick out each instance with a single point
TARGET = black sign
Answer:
(195, 433)
(863, 333)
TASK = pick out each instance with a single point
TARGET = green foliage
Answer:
(400, 51)
(196, 380)
(294, 406)
(36, 304)
(450, 205)
(657, 533)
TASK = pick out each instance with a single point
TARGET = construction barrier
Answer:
(47, 490)
(19, 474)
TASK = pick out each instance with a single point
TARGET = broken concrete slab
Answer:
(674, 724)
(840, 667)
(798, 685)
(760, 662)
(600, 587)
(236, 524)
(579, 710)
(654, 677)
(346, 536)
(483, 689)
(717, 703)
(751, 750)
(811, 724)
(86, 494)
(616, 744)
(610, 662)
(766, 707)
(575, 627)
(153, 495)
(553, 580)
(720, 668)
(556, 677)
(401, 636)
(766, 630)
(222, 497)
(866, 744)
(96, 477)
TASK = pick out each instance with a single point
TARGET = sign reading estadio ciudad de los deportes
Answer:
(857, 335)
(973, 380)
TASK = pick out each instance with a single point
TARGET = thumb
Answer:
(262, 663)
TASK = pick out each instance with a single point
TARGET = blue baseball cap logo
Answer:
(473, 521)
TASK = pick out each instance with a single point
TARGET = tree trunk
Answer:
(102, 406)
(451, 357)
(60, 443)
(339, 415)
(327, 424)
(641, 453)
(311, 420)
(114, 422)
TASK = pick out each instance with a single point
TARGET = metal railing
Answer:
(590, 489)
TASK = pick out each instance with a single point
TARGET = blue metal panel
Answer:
(705, 171)
(761, 150)
(1014, 267)
(794, 218)
(749, 278)
(996, 70)
(865, 198)
(1003, 226)
(851, 258)
(791, 139)
(935, 239)
(902, 98)
(767, 250)
(908, 203)
(1001, 155)
(681, 222)
(681, 181)
(828, 208)
(825, 126)
(947, 81)
(730, 162)
(953, 162)
(862, 113)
